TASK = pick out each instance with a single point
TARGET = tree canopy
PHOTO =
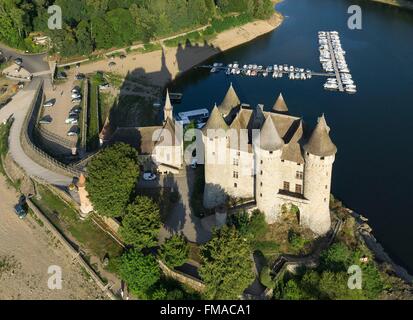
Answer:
(140, 272)
(101, 24)
(141, 223)
(226, 265)
(111, 180)
(174, 252)
(330, 280)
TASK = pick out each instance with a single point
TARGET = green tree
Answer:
(141, 223)
(226, 265)
(112, 177)
(84, 40)
(140, 272)
(174, 252)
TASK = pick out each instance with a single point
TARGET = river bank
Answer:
(397, 3)
(162, 66)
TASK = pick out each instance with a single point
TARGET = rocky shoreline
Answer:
(365, 234)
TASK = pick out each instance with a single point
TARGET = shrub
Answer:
(266, 279)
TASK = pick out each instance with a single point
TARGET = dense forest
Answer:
(90, 25)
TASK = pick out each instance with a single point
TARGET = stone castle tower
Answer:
(278, 165)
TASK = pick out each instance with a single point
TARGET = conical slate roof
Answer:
(215, 121)
(320, 143)
(168, 104)
(230, 101)
(270, 138)
(280, 105)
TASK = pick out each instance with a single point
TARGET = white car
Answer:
(49, 103)
(76, 96)
(71, 121)
(149, 176)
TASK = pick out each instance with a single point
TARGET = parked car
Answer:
(73, 114)
(18, 61)
(72, 120)
(104, 86)
(122, 56)
(21, 208)
(76, 96)
(49, 103)
(112, 64)
(61, 75)
(46, 120)
(194, 164)
(76, 109)
(74, 131)
(76, 89)
(76, 100)
(80, 76)
(66, 67)
(149, 176)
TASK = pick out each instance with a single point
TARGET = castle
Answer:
(276, 165)
(253, 154)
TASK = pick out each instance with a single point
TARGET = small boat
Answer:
(253, 73)
(228, 72)
(291, 69)
(291, 76)
(297, 76)
(248, 73)
(213, 70)
(275, 74)
(265, 74)
(175, 97)
(280, 75)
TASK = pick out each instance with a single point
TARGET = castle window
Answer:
(235, 162)
(261, 172)
(238, 153)
(235, 185)
(322, 158)
(282, 161)
(261, 184)
(298, 188)
(286, 186)
(299, 175)
(326, 187)
(261, 195)
(262, 162)
(211, 139)
(235, 174)
(271, 152)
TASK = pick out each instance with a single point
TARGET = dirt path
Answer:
(30, 250)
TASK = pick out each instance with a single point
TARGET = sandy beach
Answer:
(162, 66)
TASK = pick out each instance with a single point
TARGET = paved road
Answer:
(19, 107)
(181, 219)
(34, 63)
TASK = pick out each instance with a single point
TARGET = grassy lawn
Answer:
(92, 140)
(106, 101)
(4, 142)
(86, 233)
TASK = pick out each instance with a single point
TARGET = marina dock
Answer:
(334, 61)
(335, 68)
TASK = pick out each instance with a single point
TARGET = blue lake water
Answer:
(372, 129)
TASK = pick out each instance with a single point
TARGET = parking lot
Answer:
(58, 113)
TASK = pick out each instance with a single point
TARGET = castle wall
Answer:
(317, 188)
(216, 170)
(240, 181)
(290, 173)
(268, 180)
